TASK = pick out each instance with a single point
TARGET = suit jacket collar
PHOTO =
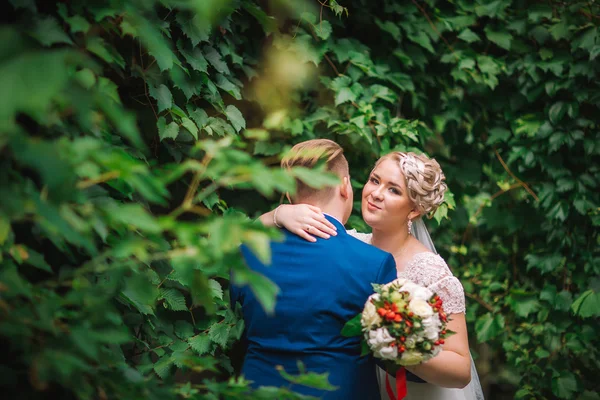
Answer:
(338, 224)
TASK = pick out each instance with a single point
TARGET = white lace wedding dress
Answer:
(430, 270)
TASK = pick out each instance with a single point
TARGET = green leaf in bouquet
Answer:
(309, 379)
(353, 327)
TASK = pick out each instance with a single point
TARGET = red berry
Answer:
(398, 318)
(381, 311)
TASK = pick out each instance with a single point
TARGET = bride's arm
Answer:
(452, 367)
(296, 218)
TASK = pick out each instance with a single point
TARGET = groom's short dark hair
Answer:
(310, 154)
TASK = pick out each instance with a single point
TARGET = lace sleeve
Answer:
(363, 237)
(431, 271)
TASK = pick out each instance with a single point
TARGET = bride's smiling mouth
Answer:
(372, 207)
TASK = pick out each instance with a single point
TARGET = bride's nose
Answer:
(377, 194)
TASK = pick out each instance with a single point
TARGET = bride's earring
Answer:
(409, 227)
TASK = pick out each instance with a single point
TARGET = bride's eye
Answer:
(374, 180)
(394, 190)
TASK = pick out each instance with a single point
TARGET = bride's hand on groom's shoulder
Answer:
(306, 221)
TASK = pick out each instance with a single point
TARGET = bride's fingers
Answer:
(321, 230)
(305, 235)
(315, 209)
(331, 227)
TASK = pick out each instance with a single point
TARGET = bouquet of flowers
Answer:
(403, 324)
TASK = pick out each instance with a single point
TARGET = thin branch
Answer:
(480, 301)
(513, 175)
(86, 183)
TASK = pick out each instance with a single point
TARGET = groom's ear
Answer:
(345, 188)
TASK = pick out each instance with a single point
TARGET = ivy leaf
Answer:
(190, 126)
(214, 58)
(586, 40)
(323, 29)
(564, 386)
(167, 131)
(560, 30)
(422, 40)
(522, 303)
(587, 305)
(184, 329)
(268, 23)
(163, 97)
(174, 299)
(389, 27)
(48, 32)
(228, 86)
(194, 58)
(200, 344)
(344, 95)
(469, 36)
(488, 327)
(492, 9)
(219, 333)
(235, 116)
(557, 112)
(501, 38)
(194, 27)
(498, 135)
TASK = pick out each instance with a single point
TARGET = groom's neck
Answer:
(334, 209)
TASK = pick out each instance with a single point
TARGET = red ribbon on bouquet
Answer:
(400, 384)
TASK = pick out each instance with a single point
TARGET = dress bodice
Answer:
(430, 270)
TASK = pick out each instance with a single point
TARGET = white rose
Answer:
(409, 287)
(420, 307)
(369, 315)
(411, 357)
(379, 338)
(422, 293)
(432, 327)
(387, 353)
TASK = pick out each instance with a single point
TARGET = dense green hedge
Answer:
(137, 136)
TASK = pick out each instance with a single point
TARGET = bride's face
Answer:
(384, 201)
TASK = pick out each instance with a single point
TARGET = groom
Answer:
(322, 286)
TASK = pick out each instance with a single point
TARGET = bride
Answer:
(400, 190)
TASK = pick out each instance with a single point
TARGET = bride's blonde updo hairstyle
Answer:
(424, 180)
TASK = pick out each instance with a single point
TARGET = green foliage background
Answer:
(137, 136)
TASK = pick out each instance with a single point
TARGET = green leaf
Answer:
(522, 303)
(184, 330)
(587, 305)
(194, 58)
(200, 343)
(98, 46)
(421, 38)
(48, 32)
(163, 97)
(163, 366)
(344, 95)
(309, 379)
(134, 215)
(167, 131)
(174, 299)
(469, 36)
(268, 23)
(557, 112)
(190, 126)
(586, 40)
(219, 333)
(501, 38)
(214, 58)
(492, 9)
(323, 29)
(4, 229)
(489, 326)
(564, 386)
(264, 289)
(235, 116)
(353, 327)
(196, 28)
(216, 289)
(498, 135)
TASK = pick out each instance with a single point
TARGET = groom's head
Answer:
(337, 199)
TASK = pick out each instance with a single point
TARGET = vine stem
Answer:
(107, 176)
(521, 183)
(480, 301)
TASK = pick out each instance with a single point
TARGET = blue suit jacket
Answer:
(323, 285)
